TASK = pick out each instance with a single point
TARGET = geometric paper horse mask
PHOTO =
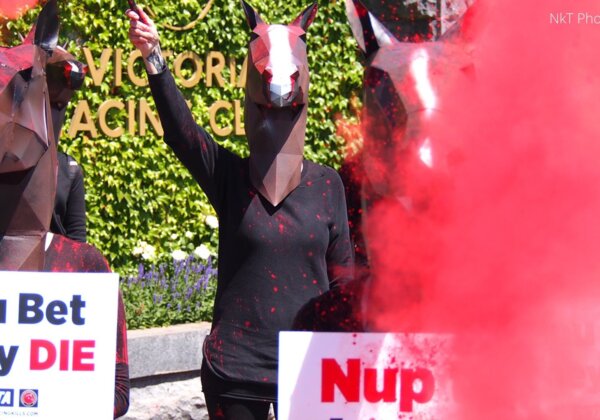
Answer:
(276, 102)
(27, 146)
(404, 94)
(411, 58)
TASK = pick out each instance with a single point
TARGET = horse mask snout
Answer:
(281, 75)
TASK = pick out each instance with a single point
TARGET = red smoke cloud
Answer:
(12, 9)
(506, 256)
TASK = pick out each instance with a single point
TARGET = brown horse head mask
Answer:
(276, 102)
(27, 146)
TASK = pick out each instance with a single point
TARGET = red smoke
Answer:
(506, 257)
(12, 9)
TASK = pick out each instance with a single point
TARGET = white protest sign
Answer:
(363, 376)
(57, 345)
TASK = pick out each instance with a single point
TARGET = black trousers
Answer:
(226, 400)
(226, 408)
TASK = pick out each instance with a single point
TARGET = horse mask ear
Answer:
(46, 27)
(252, 17)
(307, 16)
(367, 30)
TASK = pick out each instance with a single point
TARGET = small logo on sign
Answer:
(28, 398)
(6, 397)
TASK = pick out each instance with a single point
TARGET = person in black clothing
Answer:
(69, 217)
(28, 166)
(276, 252)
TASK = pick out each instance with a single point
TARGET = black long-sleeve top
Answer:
(69, 216)
(272, 260)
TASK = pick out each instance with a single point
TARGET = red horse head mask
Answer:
(410, 59)
(276, 102)
(27, 146)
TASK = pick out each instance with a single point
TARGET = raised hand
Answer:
(144, 36)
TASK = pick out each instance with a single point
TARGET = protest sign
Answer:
(363, 376)
(57, 345)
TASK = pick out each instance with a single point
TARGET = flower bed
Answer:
(175, 283)
(178, 291)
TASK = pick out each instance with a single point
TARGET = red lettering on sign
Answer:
(79, 355)
(333, 375)
(64, 354)
(388, 394)
(416, 385)
(43, 355)
(408, 380)
(35, 355)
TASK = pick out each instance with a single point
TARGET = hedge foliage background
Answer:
(136, 190)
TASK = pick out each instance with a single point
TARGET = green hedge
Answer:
(136, 189)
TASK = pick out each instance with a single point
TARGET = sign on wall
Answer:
(57, 345)
(116, 116)
(363, 376)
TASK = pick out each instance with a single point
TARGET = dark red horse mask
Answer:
(276, 102)
(27, 146)
(404, 92)
(410, 60)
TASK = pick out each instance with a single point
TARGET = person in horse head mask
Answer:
(283, 236)
(28, 168)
